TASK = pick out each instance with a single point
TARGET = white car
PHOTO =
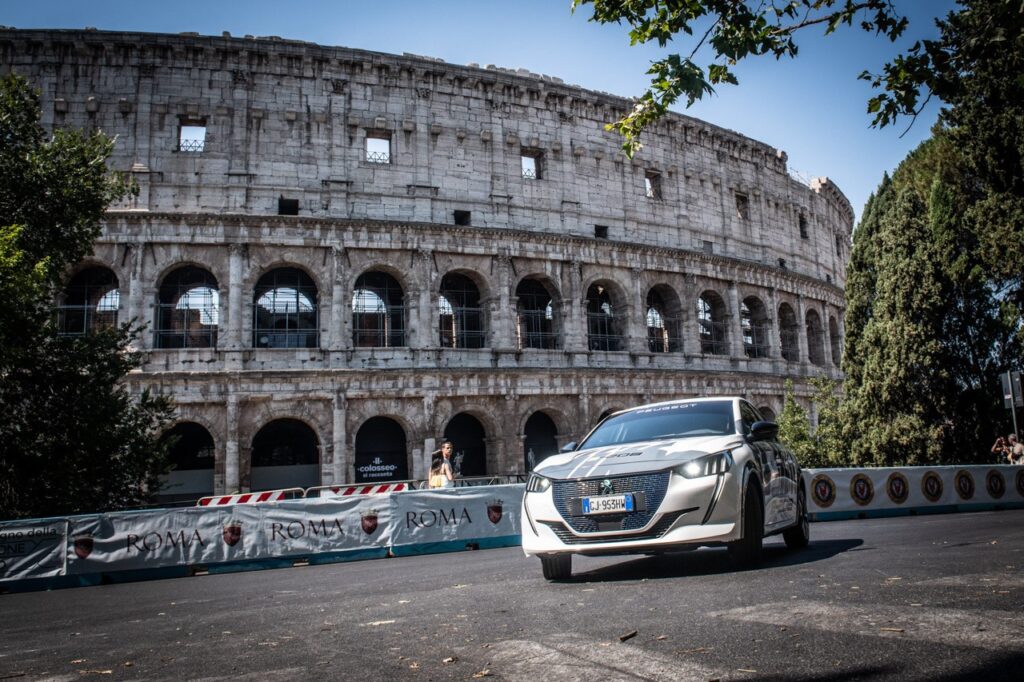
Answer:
(666, 476)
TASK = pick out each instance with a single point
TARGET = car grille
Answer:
(653, 485)
(656, 531)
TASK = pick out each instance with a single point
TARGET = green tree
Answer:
(822, 446)
(72, 439)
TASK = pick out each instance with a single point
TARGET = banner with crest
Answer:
(459, 514)
(33, 549)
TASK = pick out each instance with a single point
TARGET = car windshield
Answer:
(682, 420)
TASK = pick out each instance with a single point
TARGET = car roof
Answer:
(681, 401)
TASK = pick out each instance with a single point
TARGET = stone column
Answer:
(636, 326)
(137, 309)
(735, 324)
(574, 323)
(231, 469)
(691, 326)
(801, 325)
(503, 309)
(336, 332)
(339, 466)
(774, 332)
(233, 326)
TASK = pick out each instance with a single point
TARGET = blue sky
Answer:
(812, 107)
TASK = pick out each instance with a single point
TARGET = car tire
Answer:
(558, 567)
(799, 535)
(747, 550)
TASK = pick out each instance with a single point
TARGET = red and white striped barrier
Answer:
(249, 498)
(358, 490)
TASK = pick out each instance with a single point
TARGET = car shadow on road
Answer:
(998, 668)
(711, 561)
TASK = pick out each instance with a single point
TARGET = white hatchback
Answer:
(671, 475)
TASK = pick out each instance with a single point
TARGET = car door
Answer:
(766, 459)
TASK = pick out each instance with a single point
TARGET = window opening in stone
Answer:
(89, 302)
(285, 454)
(462, 217)
(531, 164)
(192, 135)
(839, 245)
(287, 206)
(191, 457)
(815, 339)
(754, 324)
(711, 322)
(601, 231)
(652, 184)
(742, 207)
(461, 317)
(381, 451)
(664, 325)
(470, 442)
(378, 312)
(803, 227)
(535, 317)
(285, 313)
(378, 148)
(187, 309)
(540, 439)
(602, 327)
(789, 333)
(836, 340)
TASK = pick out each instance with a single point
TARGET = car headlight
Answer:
(537, 483)
(710, 465)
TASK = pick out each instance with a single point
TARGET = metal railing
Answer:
(80, 320)
(713, 339)
(191, 146)
(378, 157)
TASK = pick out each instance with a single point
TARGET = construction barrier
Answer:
(251, 498)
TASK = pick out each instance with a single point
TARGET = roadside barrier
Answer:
(357, 490)
(251, 498)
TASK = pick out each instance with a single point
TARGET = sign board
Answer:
(1013, 395)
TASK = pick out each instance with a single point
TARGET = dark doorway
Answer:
(540, 441)
(467, 436)
(380, 451)
(285, 454)
(192, 458)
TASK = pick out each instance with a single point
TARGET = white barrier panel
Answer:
(456, 515)
(32, 549)
(204, 536)
(836, 493)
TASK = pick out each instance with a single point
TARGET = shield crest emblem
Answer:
(823, 490)
(368, 522)
(861, 489)
(931, 486)
(964, 484)
(83, 546)
(897, 487)
(494, 513)
(231, 534)
(995, 484)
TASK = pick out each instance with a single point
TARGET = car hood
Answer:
(633, 458)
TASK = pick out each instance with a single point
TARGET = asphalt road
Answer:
(928, 598)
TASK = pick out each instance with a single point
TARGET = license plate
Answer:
(607, 504)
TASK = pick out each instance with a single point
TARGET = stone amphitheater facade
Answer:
(364, 252)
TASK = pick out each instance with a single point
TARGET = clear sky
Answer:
(813, 107)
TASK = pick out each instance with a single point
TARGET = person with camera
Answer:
(1014, 450)
(441, 472)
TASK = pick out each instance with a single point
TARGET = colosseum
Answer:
(343, 257)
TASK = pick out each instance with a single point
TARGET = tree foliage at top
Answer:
(737, 29)
(72, 439)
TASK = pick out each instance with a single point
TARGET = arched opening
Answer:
(603, 328)
(381, 451)
(767, 412)
(285, 310)
(468, 441)
(540, 439)
(188, 309)
(754, 322)
(89, 302)
(789, 333)
(460, 315)
(192, 459)
(711, 320)
(836, 341)
(535, 316)
(815, 339)
(285, 454)
(664, 321)
(378, 311)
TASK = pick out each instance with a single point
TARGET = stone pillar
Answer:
(137, 309)
(421, 459)
(231, 469)
(233, 326)
(336, 333)
(339, 465)
(636, 325)
(774, 332)
(801, 326)
(574, 323)
(691, 326)
(502, 335)
(735, 324)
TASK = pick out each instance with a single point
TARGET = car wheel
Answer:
(558, 567)
(747, 550)
(799, 535)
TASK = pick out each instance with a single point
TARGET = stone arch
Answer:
(461, 315)
(402, 277)
(257, 273)
(835, 341)
(815, 338)
(378, 308)
(193, 459)
(89, 301)
(187, 308)
(469, 440)
(712, 316)
(606, 312)
(663, 312)
(285, 309)
(538, 321)
(754, 322)
(285, 453)
(540, 438)
(789, 333)
(381, 451)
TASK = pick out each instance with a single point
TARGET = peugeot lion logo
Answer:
(606, 487)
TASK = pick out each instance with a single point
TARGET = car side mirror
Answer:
(764, 431)
(568, 447)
